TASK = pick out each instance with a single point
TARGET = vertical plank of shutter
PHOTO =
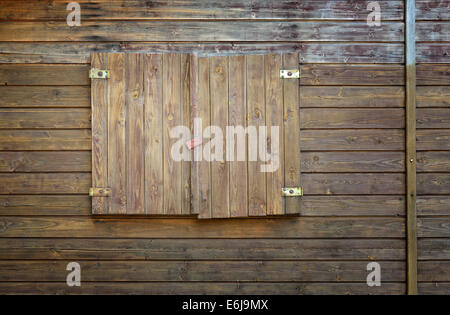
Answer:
(219, 118)
(274, 117)
(153, 132)
(99, 99)
(204, 113)
(134, 97)
(256, 117)
(237, 117)
(185, 119)
(291, 133)
(116, 134)
(194, 113)
(171, 118)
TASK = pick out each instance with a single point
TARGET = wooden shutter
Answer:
(246, 91)
(132, 113)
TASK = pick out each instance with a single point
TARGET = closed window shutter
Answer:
(147, 95)
(133, 112)
(247, 91)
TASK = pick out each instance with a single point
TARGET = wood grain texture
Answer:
(432, 10)
(434, 271)
(173, 31)
(65, 140)
(433, 139)
(433, 183)
(433, 161)
(434, 249)
(433, 118)
(433, 227)
(434, 288)
(433, 53)
(433, 205)
(188, 9)
(433, 96)
(433, 31)
(78, 227)
(200, 249)
(433, 74)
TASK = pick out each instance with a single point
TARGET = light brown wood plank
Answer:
(433, 118)
(433, 96)
(100, 105)
(185, 110)
(352, 96)
(433, 227)
(433, 161)
(373, 140)
(196, 249)
(45, 183)
(256, 117)
(313, 162)
(318, 118)
(43, 74)
(305, 227)
(237, 115)
(434, 249)
(351, 75)
(117, 135)
(433, 139)
(153, 141)
(353, 184)
(45, 96)
(134, 103)
(73, 161)
(184, 31)
(433, 74)
(25, 140)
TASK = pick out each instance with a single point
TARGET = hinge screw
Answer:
(411, 160)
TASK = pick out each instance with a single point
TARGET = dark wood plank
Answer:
(326, 140)
(202, 288)
(45, 96)
(433, 227)
(433, 139)
(43, 74)
(353, 184)
(45, 140)
(433, 53)
(433, 118)
(313, 162)
(433, 96)
(174, 31)
(305, 227)
(434, 271)
(433, 205)
(353, 205)
(67, 52)
(293, 271)
(189, 9)
(45, 205)
(45, 183)
(433, 74)
(317, 118)
(433, 183)
(73, 161)
(434, 249)
(434, 288)
(433, 31)
(196, 249)
(438, 161)
(432, 10)
(317, 74)
(352, 96)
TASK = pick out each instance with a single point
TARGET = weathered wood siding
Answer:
(352, 140)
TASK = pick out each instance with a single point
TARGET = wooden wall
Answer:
(352, 140)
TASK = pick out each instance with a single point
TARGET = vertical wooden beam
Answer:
(411, 215)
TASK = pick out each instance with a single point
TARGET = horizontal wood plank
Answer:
(433, 53)
(78, 227)
(352, 96)
(433, 74)
(200, 249)
(433, 118)
(191, 9)
(433, 227)
(326, 140)
(45, 183)
(45, 96)
(70, 161)
(138, 271)
(433, 205)
(434, 288)
(433, 139)
(67, 52)
(312, 162)
(434, 249)
(433, 271)
(43, 74)
(45, 205)
(432, 10)
(433, 96)
(199, 31)
(45, 139)
(317, 118)
(202, 288)
(433, 183)
(433, 31)
(386, 205)
(438, 161)
(316, 74)
(55, 118)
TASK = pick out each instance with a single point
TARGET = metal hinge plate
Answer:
(98, 74)
(99, 192)
(292, 191)
(290, 74)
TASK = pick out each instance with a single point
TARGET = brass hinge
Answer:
(292, 191)
(99, 192)
(98, 74)
(290, 74)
